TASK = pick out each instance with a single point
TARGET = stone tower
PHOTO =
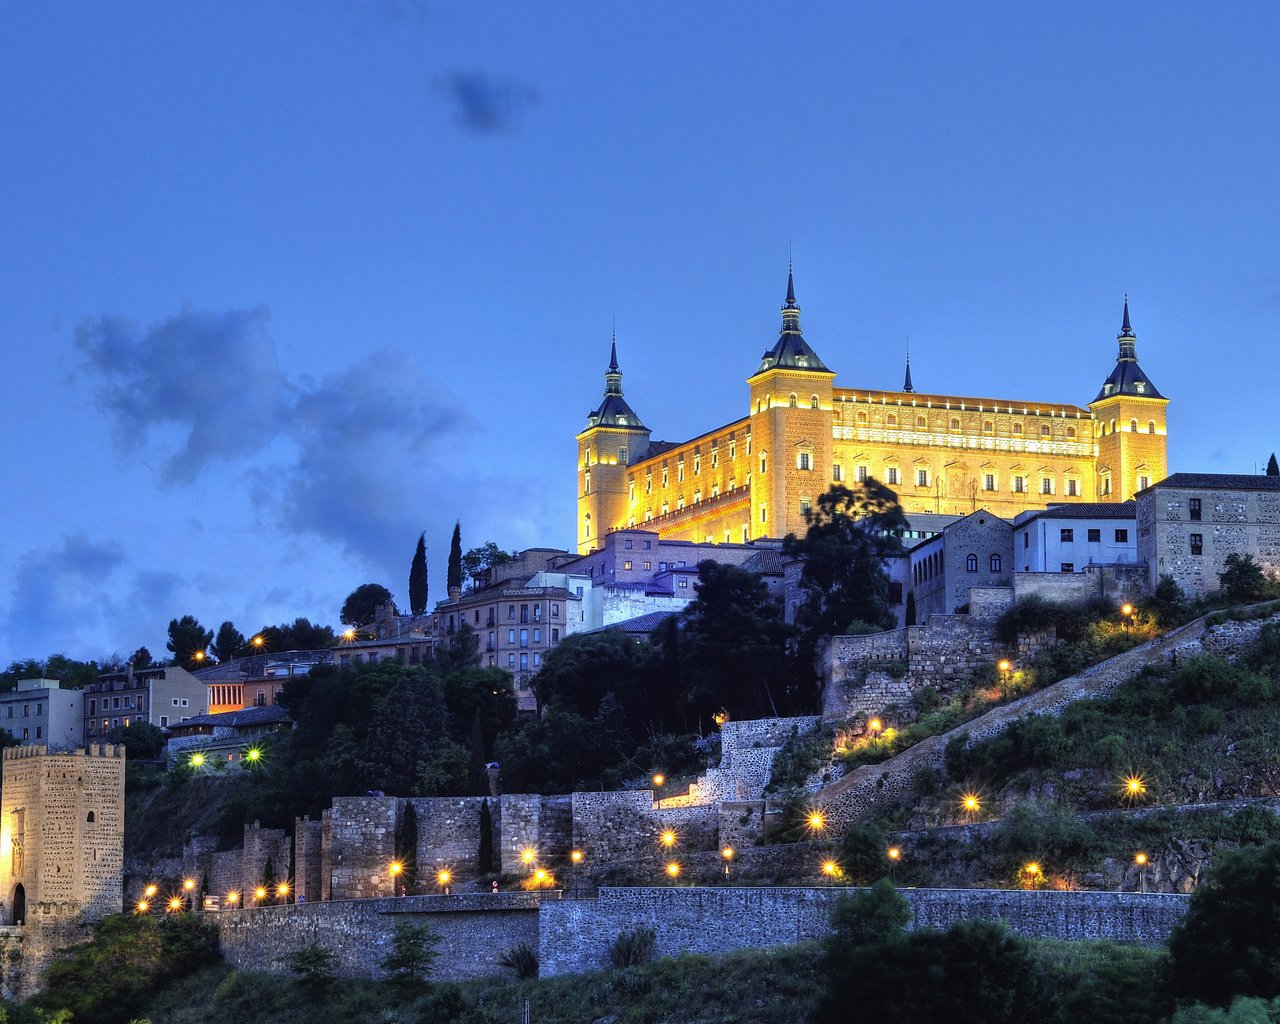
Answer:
(1131, 425)
(613, 439)
(790, 439)
(62, 834)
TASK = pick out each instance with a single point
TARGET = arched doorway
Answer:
(19, 915)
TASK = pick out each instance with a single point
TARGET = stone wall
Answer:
(747, 752)
(263, 845)
(475, 930)
(308, 841)
(574, 935)
(362, 845)
(627, 825)
(1118, 583)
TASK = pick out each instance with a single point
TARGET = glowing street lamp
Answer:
(253, 755)
(576, 856)
(443, 877)
(816, 821)
(282, 890)
(260, 894)
(528, 855)
(1004, 665)
(348, 634)
(175, 905)
(1133, 788)
(1140, 859)
(970, 803)
(727, 854)
(894, 854)
(659, 780)
(831, 869)
(1126, 610)
(198, 656)
(1033, 874)
(197, 760)
(151, 890)
(673, 869)
(258, 641)
(233, 898)
(142, 906)
(668, 838)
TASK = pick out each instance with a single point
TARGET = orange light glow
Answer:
(576, 856)
(659, 779)
(894, 853)
(673, 870)
(971, 803)
(668, 838)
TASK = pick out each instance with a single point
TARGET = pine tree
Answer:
(1273, 467)
(485, 863)
(455, 560)
(418, 578)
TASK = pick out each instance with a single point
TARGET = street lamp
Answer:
(659, 780)
(1033, 874)
(395, 869)
(894, 854)
(831, 869)
(668, 838)
(727, 855)
(970, 803)
(1140, 859)
(816, 821)
(673, 870)
(443, 877)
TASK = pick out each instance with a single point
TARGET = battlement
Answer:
(111, 750)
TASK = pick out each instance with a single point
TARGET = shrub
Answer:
(862, 854)
(1032, 614)
(633, 947)
(1242, 579)
(1203, 677)
(315, 966)
(878, 914)
(1036, 831)
(521, 958)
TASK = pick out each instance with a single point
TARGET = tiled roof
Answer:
(766, 562)
(267, 714)
(1086, 510)
(1221, 482)
(646, 623)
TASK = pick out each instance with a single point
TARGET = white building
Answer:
(1067, 538)
(39, 711)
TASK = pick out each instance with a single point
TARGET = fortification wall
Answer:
(263, 846)
(362, 845)
(574, 935)
(475, 930)
(627, 825)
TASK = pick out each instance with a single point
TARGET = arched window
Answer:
(995, 563)
(971, 563)
(764, 462)
(793, 399)
(1151, 426)
(90, 818)
(1044, 430)
(1071, 431)
(988, 427)
(1017, 428)
(1113, 426)
(862, 417)
(891, 420)
(921, 422)
(813, 401)
(1133, 426)
(955, 422)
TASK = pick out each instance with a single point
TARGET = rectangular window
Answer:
(862, 474)
(697, 465)
(1067, 536)
(1095, 536)
(1068, 567)
(733, 450)
(1026, 539)
(1197, 543)
(511, 636)
(26, 709)
(511, 661)
(892, 474)
(93, 708)
(1073, 489)
(989, 482)
(1122, 536)
(837, 473)
(1019, 485)
(1195, 510)
(555, 635)
(804, 506)
(764, 513)
(627, 564)
(622, 456)
(175, 704)
(922, 478)
(628, 543)
(26, 734)
(184, 702)
(164, 720)
(715, 457)
(511, 609)
(680, 471)
(524, 662)
(1144, 482)
(683, 583)
(648, 566)
(524, 638)
(1046, 485)
(804, 461)
(524, 613)
(555, 610)
(40, 730)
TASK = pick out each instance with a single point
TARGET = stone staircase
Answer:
(849, 798)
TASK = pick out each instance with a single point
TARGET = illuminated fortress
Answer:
(949, 454)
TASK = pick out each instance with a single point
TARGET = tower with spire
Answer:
(790, 419)
(614, 438)
(1130, 414)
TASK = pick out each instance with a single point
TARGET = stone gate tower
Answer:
(62, 834)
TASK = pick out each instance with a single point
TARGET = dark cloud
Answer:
(208, 384)
(59, 593)
(486, 105)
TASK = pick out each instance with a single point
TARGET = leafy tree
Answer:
(863, 854)
(477, 561)
(454, 574)
(362, 604)
(476, 774)
(141, 658)
(736, 649)
(299, 635)
(418, 578)
(70, 673)
(973, 973)
(142, 740)
(112, 978)
(229, 642)
(406, 722)
(878, 914)
(1167, 601)
(1242, 579)
(1273, 467)
(486, 692)
(412, 955)
(576, 674)
(850, 532)
(1228, 945)
(187, 638)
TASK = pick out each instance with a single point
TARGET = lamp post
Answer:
(189, 893)
(894, 854)
(727, 855)
(395, 869)
(1140, 859)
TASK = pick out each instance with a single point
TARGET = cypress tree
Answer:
(485, 855)
(1273, 467)
(910, 619)
(455, 560)
(418, 578)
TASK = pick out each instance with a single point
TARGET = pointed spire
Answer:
(791, 287)
(613, 350)
(1125, 330)
(1128, 340)
(907, 387)
(613, 376)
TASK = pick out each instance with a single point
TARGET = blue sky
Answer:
(284, 284)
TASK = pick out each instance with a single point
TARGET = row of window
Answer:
(1133, 427)
(26, 710)
(1067, 535)
(793, 402)
(955, 426)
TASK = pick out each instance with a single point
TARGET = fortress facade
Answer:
(756, 476)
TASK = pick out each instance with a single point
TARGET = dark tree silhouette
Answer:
(229, 642)
(1273, 467)
(361, 604)
(187, 639)
(454, 579)
(418, 578)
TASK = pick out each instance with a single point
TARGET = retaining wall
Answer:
(575, 935)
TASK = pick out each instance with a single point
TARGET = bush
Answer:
(878, 914)
(1242, 579)
(1033, 614)
(633, 947)
(862, 854)
(1204, 677)
(315, 966)
(1038, 832)
(521, 958)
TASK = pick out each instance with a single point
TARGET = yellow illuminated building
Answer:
(948, 454)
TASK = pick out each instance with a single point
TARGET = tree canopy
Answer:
(187, 639)
(477, 561)
(1273, 467)
(229, 642)
(850, 533)
(363, 603)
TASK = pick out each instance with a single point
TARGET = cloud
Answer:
(212, 379)
(485, 105)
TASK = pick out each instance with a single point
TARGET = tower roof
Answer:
(791, 352)
(1127, 378)
(614, 410)
(906, 384)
